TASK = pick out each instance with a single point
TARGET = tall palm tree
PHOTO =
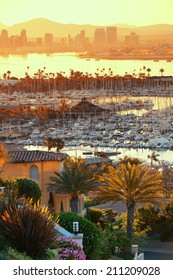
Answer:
(153, 157)
(76, 178)
(148, 70)
(161, 71)
(130, 184)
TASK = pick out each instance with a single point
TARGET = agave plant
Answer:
(28, 229)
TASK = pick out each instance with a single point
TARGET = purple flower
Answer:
(70, 250)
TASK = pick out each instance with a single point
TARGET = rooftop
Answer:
(35, 156)
(87, 107)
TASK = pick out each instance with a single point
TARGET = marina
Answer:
(125, 131)
(127, 120)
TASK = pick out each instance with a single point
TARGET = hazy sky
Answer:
(97, 12)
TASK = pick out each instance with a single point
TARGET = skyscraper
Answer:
(4, 39)
(132, 40)
(99, 37)
(48, 39)
(23, 38)
(111, 35)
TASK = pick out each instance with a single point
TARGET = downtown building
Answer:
(105, 37)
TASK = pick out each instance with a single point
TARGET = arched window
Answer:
(33, 172)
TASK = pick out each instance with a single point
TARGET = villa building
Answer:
(39, 166)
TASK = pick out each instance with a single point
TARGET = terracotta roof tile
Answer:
(35, 156)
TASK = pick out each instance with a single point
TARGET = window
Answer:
(33, 172)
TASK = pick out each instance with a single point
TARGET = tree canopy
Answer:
(130, 183)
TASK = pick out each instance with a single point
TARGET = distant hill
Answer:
(39, 26)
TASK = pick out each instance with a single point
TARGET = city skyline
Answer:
(111, 12)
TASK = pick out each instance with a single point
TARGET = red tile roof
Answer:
(35, 156)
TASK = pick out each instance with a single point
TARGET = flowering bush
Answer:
(70, 250)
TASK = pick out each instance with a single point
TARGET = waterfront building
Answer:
(48, 38)
(100, 38)
(132, 40)
(23, 38)
(14, 42)
(87, 110)
(4, 39)
(111, 36)
(39, 41)
(39, 166)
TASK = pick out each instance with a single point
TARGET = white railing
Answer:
(75, 237)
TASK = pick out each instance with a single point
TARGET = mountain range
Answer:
(39, 26)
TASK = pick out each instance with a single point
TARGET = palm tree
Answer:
(130, 184)
(58, 143)
(8, 74)
(76, 178)
(48, 141)
(131, 160)
(153, 157)
(51, 142)
(148, 70)
(161, 71)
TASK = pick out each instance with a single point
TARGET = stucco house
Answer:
(39, 166)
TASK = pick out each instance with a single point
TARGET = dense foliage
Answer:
(130, 183)
(76, 178)
(28, 229)
(23, 187)
(91, 233)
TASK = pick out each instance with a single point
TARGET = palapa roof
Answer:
(87, 107)
(35, 156)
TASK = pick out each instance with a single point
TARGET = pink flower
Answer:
(70, 250)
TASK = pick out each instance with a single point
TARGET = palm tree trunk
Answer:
(74, 203)
(130, 219)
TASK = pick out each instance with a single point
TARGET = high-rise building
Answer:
(48, 39)
(23, 38)
(132, 40)
(100, 37)
(14, 42)
(80, 40)
(82, 35)
(4, 39)
(111, 35)
(39, 41)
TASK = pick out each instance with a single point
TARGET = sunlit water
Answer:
(142, 154)
(18, 65)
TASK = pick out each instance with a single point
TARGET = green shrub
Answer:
(106, 246)
(94, 214)
(26, 228)
(92, 234)
(50, 254)
(89, 202)
(148, 218)
(23, 187)
(167, 222)
(13, 254)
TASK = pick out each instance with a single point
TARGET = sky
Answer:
(96, 12)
